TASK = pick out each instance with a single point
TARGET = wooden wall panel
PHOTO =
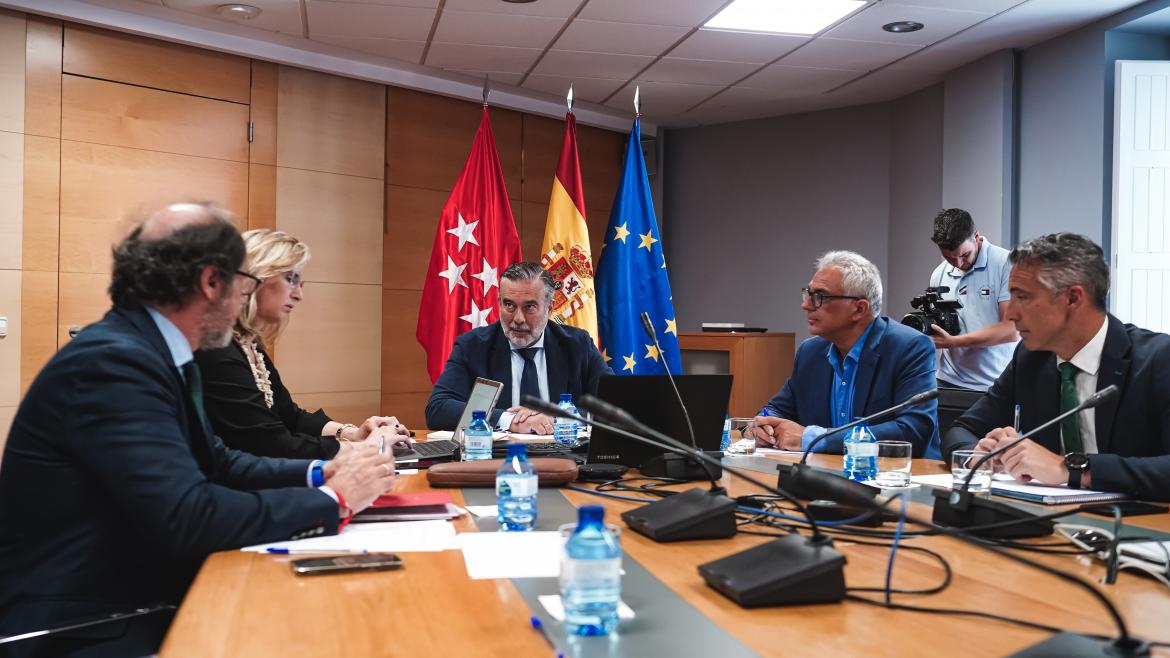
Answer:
(11, 199)
(12, 35)
(333, 340)
(82, 300)
(146, 62)
(412, 217)
(409, 408)
(532, 217)
(106, 189)
(331, 124)
(602, 154)
(262, 150)
(10, 345)
(339, 217)
(261, 196)
(42, 203)
(38, 323)
(404, 363)
(102, 112)
(42, 85)
(429, 137)
(350, 407)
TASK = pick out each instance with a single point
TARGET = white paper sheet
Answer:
(773, 451)
(511, 554)
(482, 511)
(556, 608)
(397, 537)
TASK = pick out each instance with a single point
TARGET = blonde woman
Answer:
(249, 407)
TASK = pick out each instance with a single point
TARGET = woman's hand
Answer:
(374, 422)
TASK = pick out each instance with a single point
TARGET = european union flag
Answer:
(631, 278)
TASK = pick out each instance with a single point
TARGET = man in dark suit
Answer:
(523, 351)
(856, 364)
(1071, 349)
(113, 489)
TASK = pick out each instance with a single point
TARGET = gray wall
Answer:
(916, 192)
(752, 204)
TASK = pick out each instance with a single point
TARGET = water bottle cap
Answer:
(587, 514)
(517, 450)
(478, 415)
(566, 397)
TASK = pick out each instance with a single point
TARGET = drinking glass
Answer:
(961, 463)
(893, 469)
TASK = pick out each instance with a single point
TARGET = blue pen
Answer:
(280, 550)
(1016, 420)
(539, 627)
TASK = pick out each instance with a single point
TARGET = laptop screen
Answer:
(483, 398)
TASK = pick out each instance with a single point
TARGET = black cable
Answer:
(955, 611)
(948, 574)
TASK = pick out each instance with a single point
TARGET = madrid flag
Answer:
(475, 241)
(565, 250)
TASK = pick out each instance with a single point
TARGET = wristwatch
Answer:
(1076, 463)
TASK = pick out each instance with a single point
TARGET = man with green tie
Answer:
(1071, 348)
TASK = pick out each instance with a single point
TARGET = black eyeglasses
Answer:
(250, 283)
(819, 297)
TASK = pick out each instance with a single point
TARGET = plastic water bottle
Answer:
(591, 581)
(516, 490)
(861, 453)
(477, 438)
(726, 440)
(564, 429)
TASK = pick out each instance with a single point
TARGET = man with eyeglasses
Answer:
(857, 362)
(113, 488)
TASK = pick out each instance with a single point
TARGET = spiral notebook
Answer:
(1051, 495)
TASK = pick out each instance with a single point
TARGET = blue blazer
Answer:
(897, 363)
(1132, 429)
(573, 363)
(112, 492)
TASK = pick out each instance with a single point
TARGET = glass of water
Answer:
(740, 443)
(893, 464)
(961, 463)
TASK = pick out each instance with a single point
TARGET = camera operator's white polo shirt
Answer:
(980, 290)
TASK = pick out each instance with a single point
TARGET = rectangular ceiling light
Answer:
(783, 16)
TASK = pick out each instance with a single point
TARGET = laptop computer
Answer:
(651, 399)
(484, 394)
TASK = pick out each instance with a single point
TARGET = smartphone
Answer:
(342, 563)
(1128, 508)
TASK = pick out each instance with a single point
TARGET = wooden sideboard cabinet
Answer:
(760, 364)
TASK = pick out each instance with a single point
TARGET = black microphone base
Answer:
(680, 467)
(807, 483)
(692, 514)
(1074, 645)
(964, 510)
(792, 570)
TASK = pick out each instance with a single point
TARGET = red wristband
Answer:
(344, 508)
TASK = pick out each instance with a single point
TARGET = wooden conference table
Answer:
(250, 604)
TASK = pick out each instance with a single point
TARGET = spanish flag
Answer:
(565, 250)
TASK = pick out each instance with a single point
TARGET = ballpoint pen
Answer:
(277, 550)
(1016, 420)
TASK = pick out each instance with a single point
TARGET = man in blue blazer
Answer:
(113, 489)
(856, 364)
(1071, 349)
(523, 351)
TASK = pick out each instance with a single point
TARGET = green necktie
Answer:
(1070, 428)
(195, 387)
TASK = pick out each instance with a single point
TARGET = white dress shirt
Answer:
(1088, 361)
(541, 364)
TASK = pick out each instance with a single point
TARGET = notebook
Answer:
(1051, 495)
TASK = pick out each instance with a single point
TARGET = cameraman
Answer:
(976, 272)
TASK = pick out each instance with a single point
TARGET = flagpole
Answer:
(485, 91)
(637, 102)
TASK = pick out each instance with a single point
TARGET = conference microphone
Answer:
(792, 570)
(791, 477)
(650, 333)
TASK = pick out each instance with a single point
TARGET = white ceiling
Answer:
(688, 76)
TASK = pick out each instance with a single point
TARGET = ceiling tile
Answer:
(550, 8)
(275, 15)
(401, 49)
(481, 58)
(844, 54)
(697, 71)
(736, 46)
(366, 20)
(662, 97)
(992, 6)
(940, 23)
(622, 38)
(504, 77)
(652, 12)
(497, 29)
(593, 90)
(433, 4)
(573, 64)
(789, 81)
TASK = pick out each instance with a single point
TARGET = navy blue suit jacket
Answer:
(897, 363)
(573, 363)
(1132, 429)
(112, 492)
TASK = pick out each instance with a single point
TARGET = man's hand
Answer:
(527, 421)
(993, 440)
(1028, 461)
(943, 340)
(360, 475)
(773, 432)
